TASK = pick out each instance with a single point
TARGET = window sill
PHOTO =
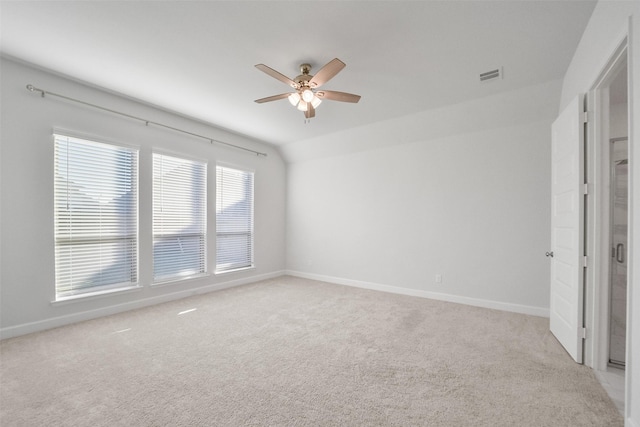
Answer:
(235, 270)
(93, 295)
(173, 280)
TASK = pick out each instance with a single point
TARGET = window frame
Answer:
(91, 291)
(251, 232)
(162, 280)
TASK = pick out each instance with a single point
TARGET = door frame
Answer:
(597, 209)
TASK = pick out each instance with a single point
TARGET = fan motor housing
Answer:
(303, 79)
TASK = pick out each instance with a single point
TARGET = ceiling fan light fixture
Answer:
(294, 99)
(302, 106)
(316, 101)
(307, 95)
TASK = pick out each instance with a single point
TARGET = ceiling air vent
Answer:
(491, 75)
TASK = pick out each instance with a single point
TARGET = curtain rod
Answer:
(31, 88)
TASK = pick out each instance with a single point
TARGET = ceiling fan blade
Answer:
(311, 112)
(272, 98)
(327, 72)
(276, 75)
(338, 96)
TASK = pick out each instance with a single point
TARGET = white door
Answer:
(567, 219)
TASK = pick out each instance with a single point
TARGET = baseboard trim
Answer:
(27, 328)
(55, 322)
(496, 305)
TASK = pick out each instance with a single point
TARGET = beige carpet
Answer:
(294, 352)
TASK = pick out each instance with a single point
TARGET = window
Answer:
(234, 219)
(96, 216)
(179, 217)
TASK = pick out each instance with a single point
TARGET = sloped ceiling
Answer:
(197, 58)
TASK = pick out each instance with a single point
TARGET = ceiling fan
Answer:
(306, 97)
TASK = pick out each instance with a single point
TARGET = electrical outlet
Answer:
(438, 278)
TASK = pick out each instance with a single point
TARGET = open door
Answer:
(567, 222)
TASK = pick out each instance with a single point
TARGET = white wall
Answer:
(610, 22)
(27, 268)
(469, 200)
(619, 120)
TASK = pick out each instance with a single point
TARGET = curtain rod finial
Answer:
(32, 88)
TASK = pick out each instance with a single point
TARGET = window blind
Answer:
(179, 217)
(234, 219)
(95, 214)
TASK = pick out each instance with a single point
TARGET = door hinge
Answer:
(585, 261)
(585, 189)
(585, 117)
(584, 333)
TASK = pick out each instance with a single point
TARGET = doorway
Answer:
(607, 210)
(619, 242)
(614, 180)
(619, 216)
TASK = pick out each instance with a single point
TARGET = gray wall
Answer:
(463, 192)
(27, 269)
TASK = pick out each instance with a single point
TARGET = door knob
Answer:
(549, 254)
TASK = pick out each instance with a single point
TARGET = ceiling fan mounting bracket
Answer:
(305, 68)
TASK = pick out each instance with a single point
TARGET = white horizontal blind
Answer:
(96, 216)
(234, 219)
(179, 217)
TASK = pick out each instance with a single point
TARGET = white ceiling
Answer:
(197, 58)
